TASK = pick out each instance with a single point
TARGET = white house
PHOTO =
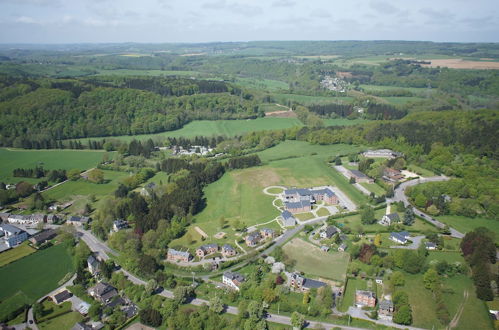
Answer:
(233, 280)
(389, 219)
(13, 235)
(288, 219)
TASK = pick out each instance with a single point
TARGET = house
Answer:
(228, 250)
(52, 218)
(365, 298)
(398, 238)
(298, 207)
(83, 308)
(4, 216)
(253, 238)
(93, 265)
(206, 249)
(430, 246)
(43, 236)
(382, 153)
(32, 219)
(119, 225)
(329, 232)
(379, 280)
(278, 267)
(78, 221)
(392, 175)
(13, 235)
(326, 195)
(288, 219)
(386, 309)
(300, 283)
(360, 177)
(267, 233)
(310, 195)
(18, 218)
(61, 296)
(389, 219)
(325, 248)
(103, 292)
(233, 280)
(148, 189)
(176, 255)
(81, 326)
(342, 247)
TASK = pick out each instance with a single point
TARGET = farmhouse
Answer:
(300, 283)
(288, 219)
(365, 298)
(392, 175)
(401, 237)
(382, 153)
(386, 310)
(78, 221)
(228, 250)
(43, 236)
(360, 177)
(103, 292)
(13, 235)
(389, 219)
(430, 246)
(176, 255)
(206, 249)
(119, 225)
(93, 265)
(329, 232)
(233, 280)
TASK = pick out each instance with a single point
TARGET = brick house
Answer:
(365, 298)
(176, 255)
(228, 250)
(392, 175)
(386, 309)
(303, 284)
(298, 207)
(206, 249)
(253, 238)
(267, 233)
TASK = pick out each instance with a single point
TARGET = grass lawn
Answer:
(465, 224)
(218, 127)
(51, 265)
(401, 100)
(51, 309)
(11, 255)
(348, 300)
(450, 257)
(275, 190)
(315, 262)
(65, 321)
(419, 170)
(373, 187)
(73, 189)
(13, 303)
(262, 84)
(323, 212)
(50, 159)
(304, 216)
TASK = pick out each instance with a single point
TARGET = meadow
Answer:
(6, 257)
(216, 127)
(315, 262)
(309, 100)
(49, 159)
(465, 224)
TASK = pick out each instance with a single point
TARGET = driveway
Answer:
(416, 241)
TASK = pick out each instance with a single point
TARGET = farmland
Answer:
(12, 255)
(315, 262)
(49, 159)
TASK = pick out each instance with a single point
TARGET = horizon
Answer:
(173, 21)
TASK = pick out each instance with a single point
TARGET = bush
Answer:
(151, 317)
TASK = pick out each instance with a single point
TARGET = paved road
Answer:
(361, 314)
(399, 196)
(99, 247)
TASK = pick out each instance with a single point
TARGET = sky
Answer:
(154, 21)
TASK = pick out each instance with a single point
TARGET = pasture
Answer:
(315, 262)
(52, 264)
(465, 224)
(49, 159)
(401, 100)
(12, 255)
(216, 127)
(374, 188)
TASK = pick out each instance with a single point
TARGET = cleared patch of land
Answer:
(49, 159)
(456, 63)
(19, 252)
(465, 224)
(312, 260)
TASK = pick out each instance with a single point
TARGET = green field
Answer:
(50, 159)
(401, 100)
(315, 262)
(65, 321)
(72, 190)
(217, 127)
(131, 72)
(373, 187)
(51, 265)
(19, 252)
(465, 224)
(343, 121)
(263, 84)
(420, 171)
(13, 303)
(348, 300)
(382, 88)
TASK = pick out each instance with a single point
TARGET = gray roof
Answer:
(268, 230)
(92, 261)
(398, 237)
(74, 218)
(386, 304)
(359, 174)
(297, 205)
(228, 247)
(430, 244)
(286, 215)
(61, 296)
(11, 229)
(209, 246)
(253, 236)
(343, 246)
(325, 191)
(234, 276)
(185, 254)
(299, 191)
(120, 223)
(393, 216)
(313, 284)
(330, 231)
(45, 235)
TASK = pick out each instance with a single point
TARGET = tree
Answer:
(337, 161)
(306, 298)
(431, 279)
(182, 293)
(367, 215)
(96, 176)
(409, 216)
(403, 315)
(216, 305)
(397, 279)
(151, 286)
(24, 189)
(73, 174)
(297, 320)
(151, 317)
(94, 311)
(377, 240)
(352, 180)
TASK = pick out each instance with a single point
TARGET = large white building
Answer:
(13, 235)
